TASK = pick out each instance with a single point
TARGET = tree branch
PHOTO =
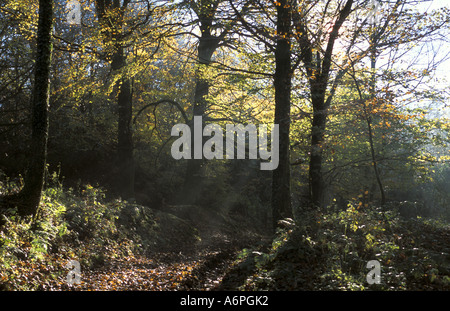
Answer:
(169, 101)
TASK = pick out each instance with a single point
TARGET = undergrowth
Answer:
(322, 250)
(330, 250)
(35, 251)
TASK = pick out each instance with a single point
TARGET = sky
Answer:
(445, 69)
(443, 72)
(441, 76)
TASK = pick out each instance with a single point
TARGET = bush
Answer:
(330, 251)
(34, 251)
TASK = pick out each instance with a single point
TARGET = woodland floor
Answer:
(215, 265)
(200, 269)
(195, 249)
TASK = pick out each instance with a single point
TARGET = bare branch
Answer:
(169, 101)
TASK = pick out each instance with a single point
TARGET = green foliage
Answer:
(66, 226)
(26, 245)
(330, 251)
(80, 225)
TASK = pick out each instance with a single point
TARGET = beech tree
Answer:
(111, 15)
(30, 195)
(127, 26)
(321, 27)
(281, 189)
(318, 68)
(271, 25)
(211, 36)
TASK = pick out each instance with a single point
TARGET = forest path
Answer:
(202, 268)
(164, 271)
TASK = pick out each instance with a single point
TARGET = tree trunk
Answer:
(368, 118)
(124, 133)
(112, 31)
(208, 44)
(34, 177)
(373, 62)
(316, 182)
(281, 190)
(318, 71)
